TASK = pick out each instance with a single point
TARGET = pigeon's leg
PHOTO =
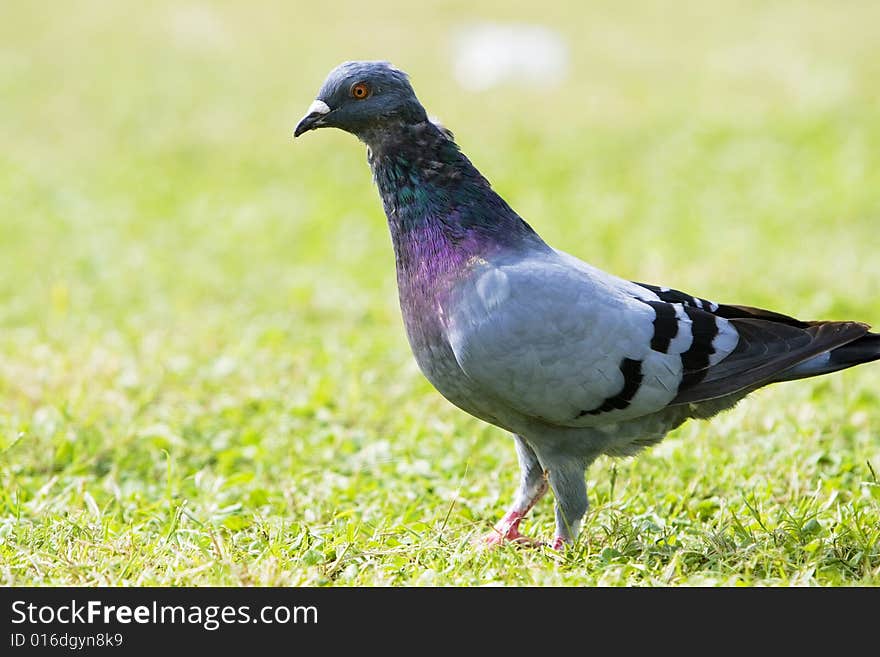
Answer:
(532, 486)
(567, 479)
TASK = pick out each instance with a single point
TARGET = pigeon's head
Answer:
(362, 97)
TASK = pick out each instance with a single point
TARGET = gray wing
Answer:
(568, 344)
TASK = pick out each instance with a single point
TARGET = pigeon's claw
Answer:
(494, 538)
(507, 529)
(559, 544)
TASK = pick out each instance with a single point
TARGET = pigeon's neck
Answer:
(441, 211)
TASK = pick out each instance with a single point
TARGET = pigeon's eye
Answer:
(360, 90)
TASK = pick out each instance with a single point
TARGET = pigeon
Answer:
(574, 362)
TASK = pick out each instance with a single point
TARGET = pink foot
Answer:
(508, 530)
(559, 544)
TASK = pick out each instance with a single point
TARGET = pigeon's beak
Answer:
(314, 118)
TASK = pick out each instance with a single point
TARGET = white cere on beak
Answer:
(318, 107)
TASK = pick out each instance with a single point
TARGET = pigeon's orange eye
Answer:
(360, 90)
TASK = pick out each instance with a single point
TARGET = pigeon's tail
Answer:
(861, 350)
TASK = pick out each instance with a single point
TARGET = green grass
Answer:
(203, 373)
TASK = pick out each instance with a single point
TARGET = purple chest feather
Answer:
(429, 266)
(444, 220)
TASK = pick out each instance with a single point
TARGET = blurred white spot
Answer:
(128, 377)
(223, 367)
(488, 54)
(419, 468)
(45, 421)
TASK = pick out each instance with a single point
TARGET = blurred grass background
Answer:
(203, 373)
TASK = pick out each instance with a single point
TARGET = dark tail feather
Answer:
(861, 350)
